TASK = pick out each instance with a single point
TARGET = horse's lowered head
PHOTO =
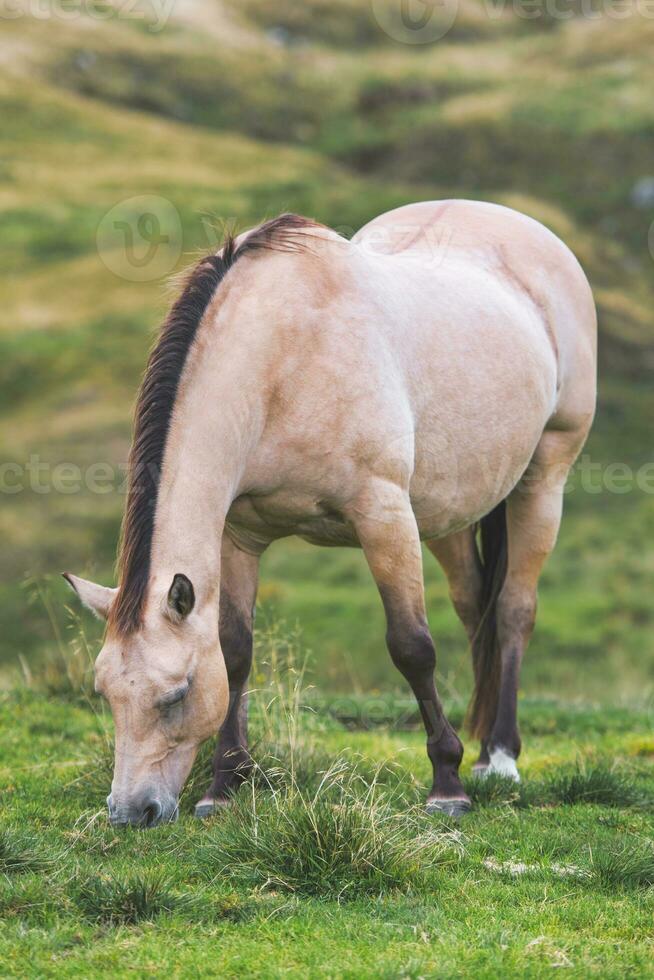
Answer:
(167, 687)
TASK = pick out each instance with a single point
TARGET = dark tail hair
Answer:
(485, 646)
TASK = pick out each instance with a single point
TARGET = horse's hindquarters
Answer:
(483, 403)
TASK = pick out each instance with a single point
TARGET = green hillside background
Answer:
(236, 111)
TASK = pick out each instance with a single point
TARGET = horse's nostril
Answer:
(151, 814)
(136, 814)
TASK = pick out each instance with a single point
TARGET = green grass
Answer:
(327, 864)
(245, 109)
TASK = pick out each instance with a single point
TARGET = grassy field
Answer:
(327, 865)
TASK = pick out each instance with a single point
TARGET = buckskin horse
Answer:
(432, 379)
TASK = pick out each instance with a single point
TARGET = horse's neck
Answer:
(206, 450)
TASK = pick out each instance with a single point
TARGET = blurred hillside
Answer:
(240, 109)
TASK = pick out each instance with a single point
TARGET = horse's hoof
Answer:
(449, 808)
(204, 810)
(480, 772)
(207, 808)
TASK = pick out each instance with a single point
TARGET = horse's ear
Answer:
(97, 598)
(181, 598)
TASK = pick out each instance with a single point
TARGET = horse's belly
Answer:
(254, 522)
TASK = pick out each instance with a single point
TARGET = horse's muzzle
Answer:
(148, 811)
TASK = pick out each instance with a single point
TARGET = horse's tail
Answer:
(485, 645)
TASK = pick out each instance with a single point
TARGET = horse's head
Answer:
(167, 687)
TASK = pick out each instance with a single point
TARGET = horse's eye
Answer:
(175, 697)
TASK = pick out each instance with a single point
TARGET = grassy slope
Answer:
(220, 117)
(77, 898)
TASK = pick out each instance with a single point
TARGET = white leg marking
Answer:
(503, 764)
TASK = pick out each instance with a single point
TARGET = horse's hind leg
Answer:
(533, 516)
(458, 556)
(387, 531)
(238, 591)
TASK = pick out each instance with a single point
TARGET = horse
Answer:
(432, 379)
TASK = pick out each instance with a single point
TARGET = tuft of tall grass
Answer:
(628, 865)
(139, 896)
(594, 782)
(345, 839)
(19, 854)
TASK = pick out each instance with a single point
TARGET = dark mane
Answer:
(156, 401)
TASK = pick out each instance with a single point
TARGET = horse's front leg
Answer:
(238, 590)
(387, 531)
